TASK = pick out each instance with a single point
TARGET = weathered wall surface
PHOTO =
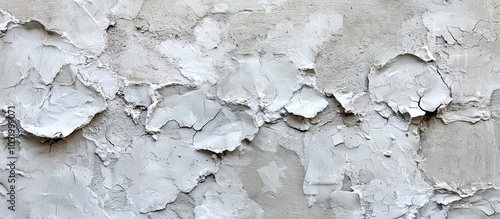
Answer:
(250, 109)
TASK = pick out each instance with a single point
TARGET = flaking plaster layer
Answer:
(251, 109)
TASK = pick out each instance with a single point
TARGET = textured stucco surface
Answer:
(251, 109)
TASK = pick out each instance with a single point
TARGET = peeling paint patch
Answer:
(42, 79)
(409, 85)
(226, 130)
(306, 102)
(172, 101)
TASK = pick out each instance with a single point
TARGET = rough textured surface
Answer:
(250, 109)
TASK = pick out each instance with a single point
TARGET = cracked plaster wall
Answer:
(252, 109)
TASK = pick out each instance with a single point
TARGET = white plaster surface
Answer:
(214, 109)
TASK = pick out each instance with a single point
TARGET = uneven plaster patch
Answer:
(227, 200)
